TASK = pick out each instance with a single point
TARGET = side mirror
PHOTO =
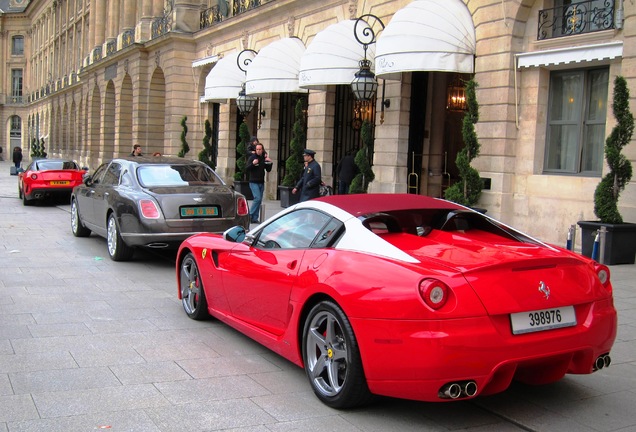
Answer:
(235, 234)
(84, 168)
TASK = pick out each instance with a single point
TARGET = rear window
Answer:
(176, 175)
(57, 165)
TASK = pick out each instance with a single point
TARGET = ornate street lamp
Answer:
(244, 101)
(456, 95)
(364, 84)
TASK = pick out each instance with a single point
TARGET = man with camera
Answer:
(257, 164)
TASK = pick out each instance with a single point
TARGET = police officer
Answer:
(309, 183)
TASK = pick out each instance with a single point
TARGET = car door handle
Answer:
(292, 264)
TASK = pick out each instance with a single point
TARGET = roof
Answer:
(363, 204)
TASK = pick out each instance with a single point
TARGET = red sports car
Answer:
(46, 178)
(404, 296)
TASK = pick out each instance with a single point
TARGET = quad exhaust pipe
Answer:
(602, 361)
(455, 390)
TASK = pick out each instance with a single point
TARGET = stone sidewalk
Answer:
(89, 344)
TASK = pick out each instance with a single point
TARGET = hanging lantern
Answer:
(245, 102)
(456, 95)
(364, 84)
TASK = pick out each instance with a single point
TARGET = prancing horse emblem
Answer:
(544, 289)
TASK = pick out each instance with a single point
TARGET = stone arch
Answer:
(125, 117)
(108, 124)
(156, 113)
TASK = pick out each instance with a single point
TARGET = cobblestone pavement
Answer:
(89, 344)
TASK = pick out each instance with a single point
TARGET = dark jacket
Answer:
(17, 156)
(309, 183)
(256, 173)
(347, 169)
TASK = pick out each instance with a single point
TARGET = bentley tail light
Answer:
(241, 206)
(434, 293)
(149, 209)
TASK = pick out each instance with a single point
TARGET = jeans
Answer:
(343, 188)
(257, 190)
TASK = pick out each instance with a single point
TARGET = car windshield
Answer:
(176, 175)
(57, 165)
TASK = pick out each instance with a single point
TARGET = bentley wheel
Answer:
(78, 228)
(332, 358)
(192, 293)
(117, 249)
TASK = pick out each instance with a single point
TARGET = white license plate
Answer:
(546, 319)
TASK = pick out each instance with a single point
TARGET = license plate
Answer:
(60, 182)
(540, 320)
(193, 212)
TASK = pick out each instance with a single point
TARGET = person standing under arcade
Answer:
(257, 164)
(309, 183)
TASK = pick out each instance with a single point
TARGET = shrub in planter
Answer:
(210, 149)
(468, 189)
(185, 148)
(294, 162)
(360, 183)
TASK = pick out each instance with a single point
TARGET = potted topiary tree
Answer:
(185, 148)
(360, 182)
(210, 149)
(620, 238)
(468, 189)
(294, 163)
(240, 184)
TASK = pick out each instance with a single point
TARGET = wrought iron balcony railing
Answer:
(226, 9)
(576, 18)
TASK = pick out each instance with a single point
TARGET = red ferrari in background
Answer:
(45, 178)
(404, 296)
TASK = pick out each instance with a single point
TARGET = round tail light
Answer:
(434, 293)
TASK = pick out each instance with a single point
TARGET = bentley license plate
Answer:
(60, 182)
(539, 320)
(192, 212)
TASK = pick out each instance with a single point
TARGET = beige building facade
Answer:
(91, 78)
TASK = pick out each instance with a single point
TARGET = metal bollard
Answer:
(571, 240)
(262, 212)
(595, 246)
(601, 244)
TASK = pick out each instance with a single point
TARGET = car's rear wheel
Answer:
(78, 228)
(332, 358)
(25, 200)
(117, 249)
(192, 293)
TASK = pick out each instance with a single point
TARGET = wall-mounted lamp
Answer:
(244, 101)
(364, 84)
(456, 95)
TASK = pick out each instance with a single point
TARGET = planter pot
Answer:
(620, 241)
(243, 187)
(286, 197)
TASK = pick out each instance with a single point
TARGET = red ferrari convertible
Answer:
(46, 178)
(404, 296)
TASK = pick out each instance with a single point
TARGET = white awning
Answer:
(225, 79)
(427, 35)
(577, 54)
(204, 61)
(333, 57)
(275, 69)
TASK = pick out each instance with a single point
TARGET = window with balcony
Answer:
(16, 85)
(570, 17)
(17, 45)
(576, 121)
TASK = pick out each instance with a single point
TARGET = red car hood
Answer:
(506, 274)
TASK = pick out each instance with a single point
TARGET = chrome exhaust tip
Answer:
(607, 360)
(602, 361)
(452, 391)
(470, 388)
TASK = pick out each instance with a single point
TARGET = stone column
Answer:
(113, 19)
(100, 22)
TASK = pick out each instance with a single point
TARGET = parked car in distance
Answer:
(153, 202)
(404, 296)
(48, 178)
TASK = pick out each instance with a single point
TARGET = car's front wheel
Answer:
(117, 249)
(192, 293)
(78, 228)
(332, 358)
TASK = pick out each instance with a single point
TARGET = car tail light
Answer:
(241, 206)
(149, 209)
(434, 293)
(603, 274)
(34, 176)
